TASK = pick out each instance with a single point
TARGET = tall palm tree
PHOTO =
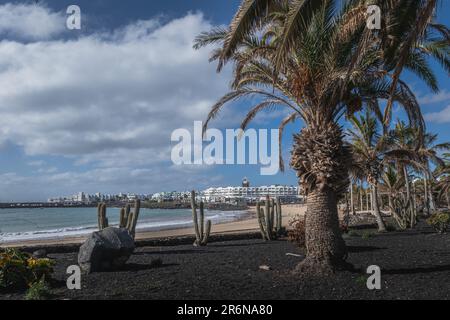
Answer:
(317, 62)
(369, 147)
(429, 152)
(392, 183)
(443, 183)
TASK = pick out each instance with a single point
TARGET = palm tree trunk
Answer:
(367, 201)
(426, 208)
(324, 244)
(430, 191)
(360, 199)
(352, 204)
(376, 209)
(448, 199)
(408, 187)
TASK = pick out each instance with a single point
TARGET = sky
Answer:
(93, 110)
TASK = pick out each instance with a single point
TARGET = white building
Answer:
(224, 194)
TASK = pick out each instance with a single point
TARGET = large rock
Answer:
(105, 250)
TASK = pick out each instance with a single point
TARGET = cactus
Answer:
(101, 214)
(201, 235)
(270, 218)
(127, 219)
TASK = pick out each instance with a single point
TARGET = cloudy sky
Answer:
(93, 109)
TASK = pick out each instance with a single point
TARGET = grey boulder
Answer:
(106, 250)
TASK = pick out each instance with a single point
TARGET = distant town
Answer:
(243, 193)
(234, 195)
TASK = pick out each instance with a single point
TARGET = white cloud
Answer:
(442, 116)
(442, 96)
(94, 98)
(110, 100)
(30, 22)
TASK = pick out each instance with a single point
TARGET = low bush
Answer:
(366, 235)
(440, 221)
(296, 234)
(38, 291)
(20, 270)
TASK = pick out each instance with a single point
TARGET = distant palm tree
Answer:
(429, 152)
(392, 183)
(321, 64)
(369, 148)
(443, 183)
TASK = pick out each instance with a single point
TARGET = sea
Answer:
(53, 223)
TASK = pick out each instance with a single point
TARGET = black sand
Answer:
(415, 265)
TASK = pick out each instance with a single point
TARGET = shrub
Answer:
(20, 270)
(38, 291)
(366, 235)
(297, 232)
(353, 233)
(440, 221)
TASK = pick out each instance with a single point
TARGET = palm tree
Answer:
(319, 64)
(443, 183)
(369, 147)
(429, 152)
(392, 183)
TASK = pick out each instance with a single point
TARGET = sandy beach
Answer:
(247, 224)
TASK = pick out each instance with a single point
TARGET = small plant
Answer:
(361, 279)
(440, 221)
(297, 232)
(20, 270)
(353, 233)
(38, 291)
(270, 218)
(366, 235)
(201, 231)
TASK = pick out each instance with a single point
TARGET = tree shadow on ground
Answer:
(429, 269)
(186, 251)
(147, 266)
(357, 249)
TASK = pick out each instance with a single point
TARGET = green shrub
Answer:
(20, 270)
(440, 221)
(366, 235)
(353, 233)
(38, 291)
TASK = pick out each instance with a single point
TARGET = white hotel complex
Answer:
(248, 193)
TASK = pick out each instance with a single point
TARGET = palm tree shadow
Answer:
(187, 251)
(143, 267)
(357, 249)
(430, 269)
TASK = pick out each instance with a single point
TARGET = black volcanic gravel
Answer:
(415, 265)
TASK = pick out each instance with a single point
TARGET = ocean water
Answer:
(54, 223)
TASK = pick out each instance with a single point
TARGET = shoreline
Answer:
(246, 224)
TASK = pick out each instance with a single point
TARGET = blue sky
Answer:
(93, 110)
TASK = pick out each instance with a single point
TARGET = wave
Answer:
(145, 225)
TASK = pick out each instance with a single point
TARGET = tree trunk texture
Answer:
(376, 210)
(352, 204)
(326, 250)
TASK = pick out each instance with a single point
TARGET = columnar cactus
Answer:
(127, 219)
(201, 235)
(132, 217)
(270, 218)
(101, 215)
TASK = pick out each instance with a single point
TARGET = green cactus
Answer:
(201, 235)
(270, 218)
(101, 214)
(127, 219)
